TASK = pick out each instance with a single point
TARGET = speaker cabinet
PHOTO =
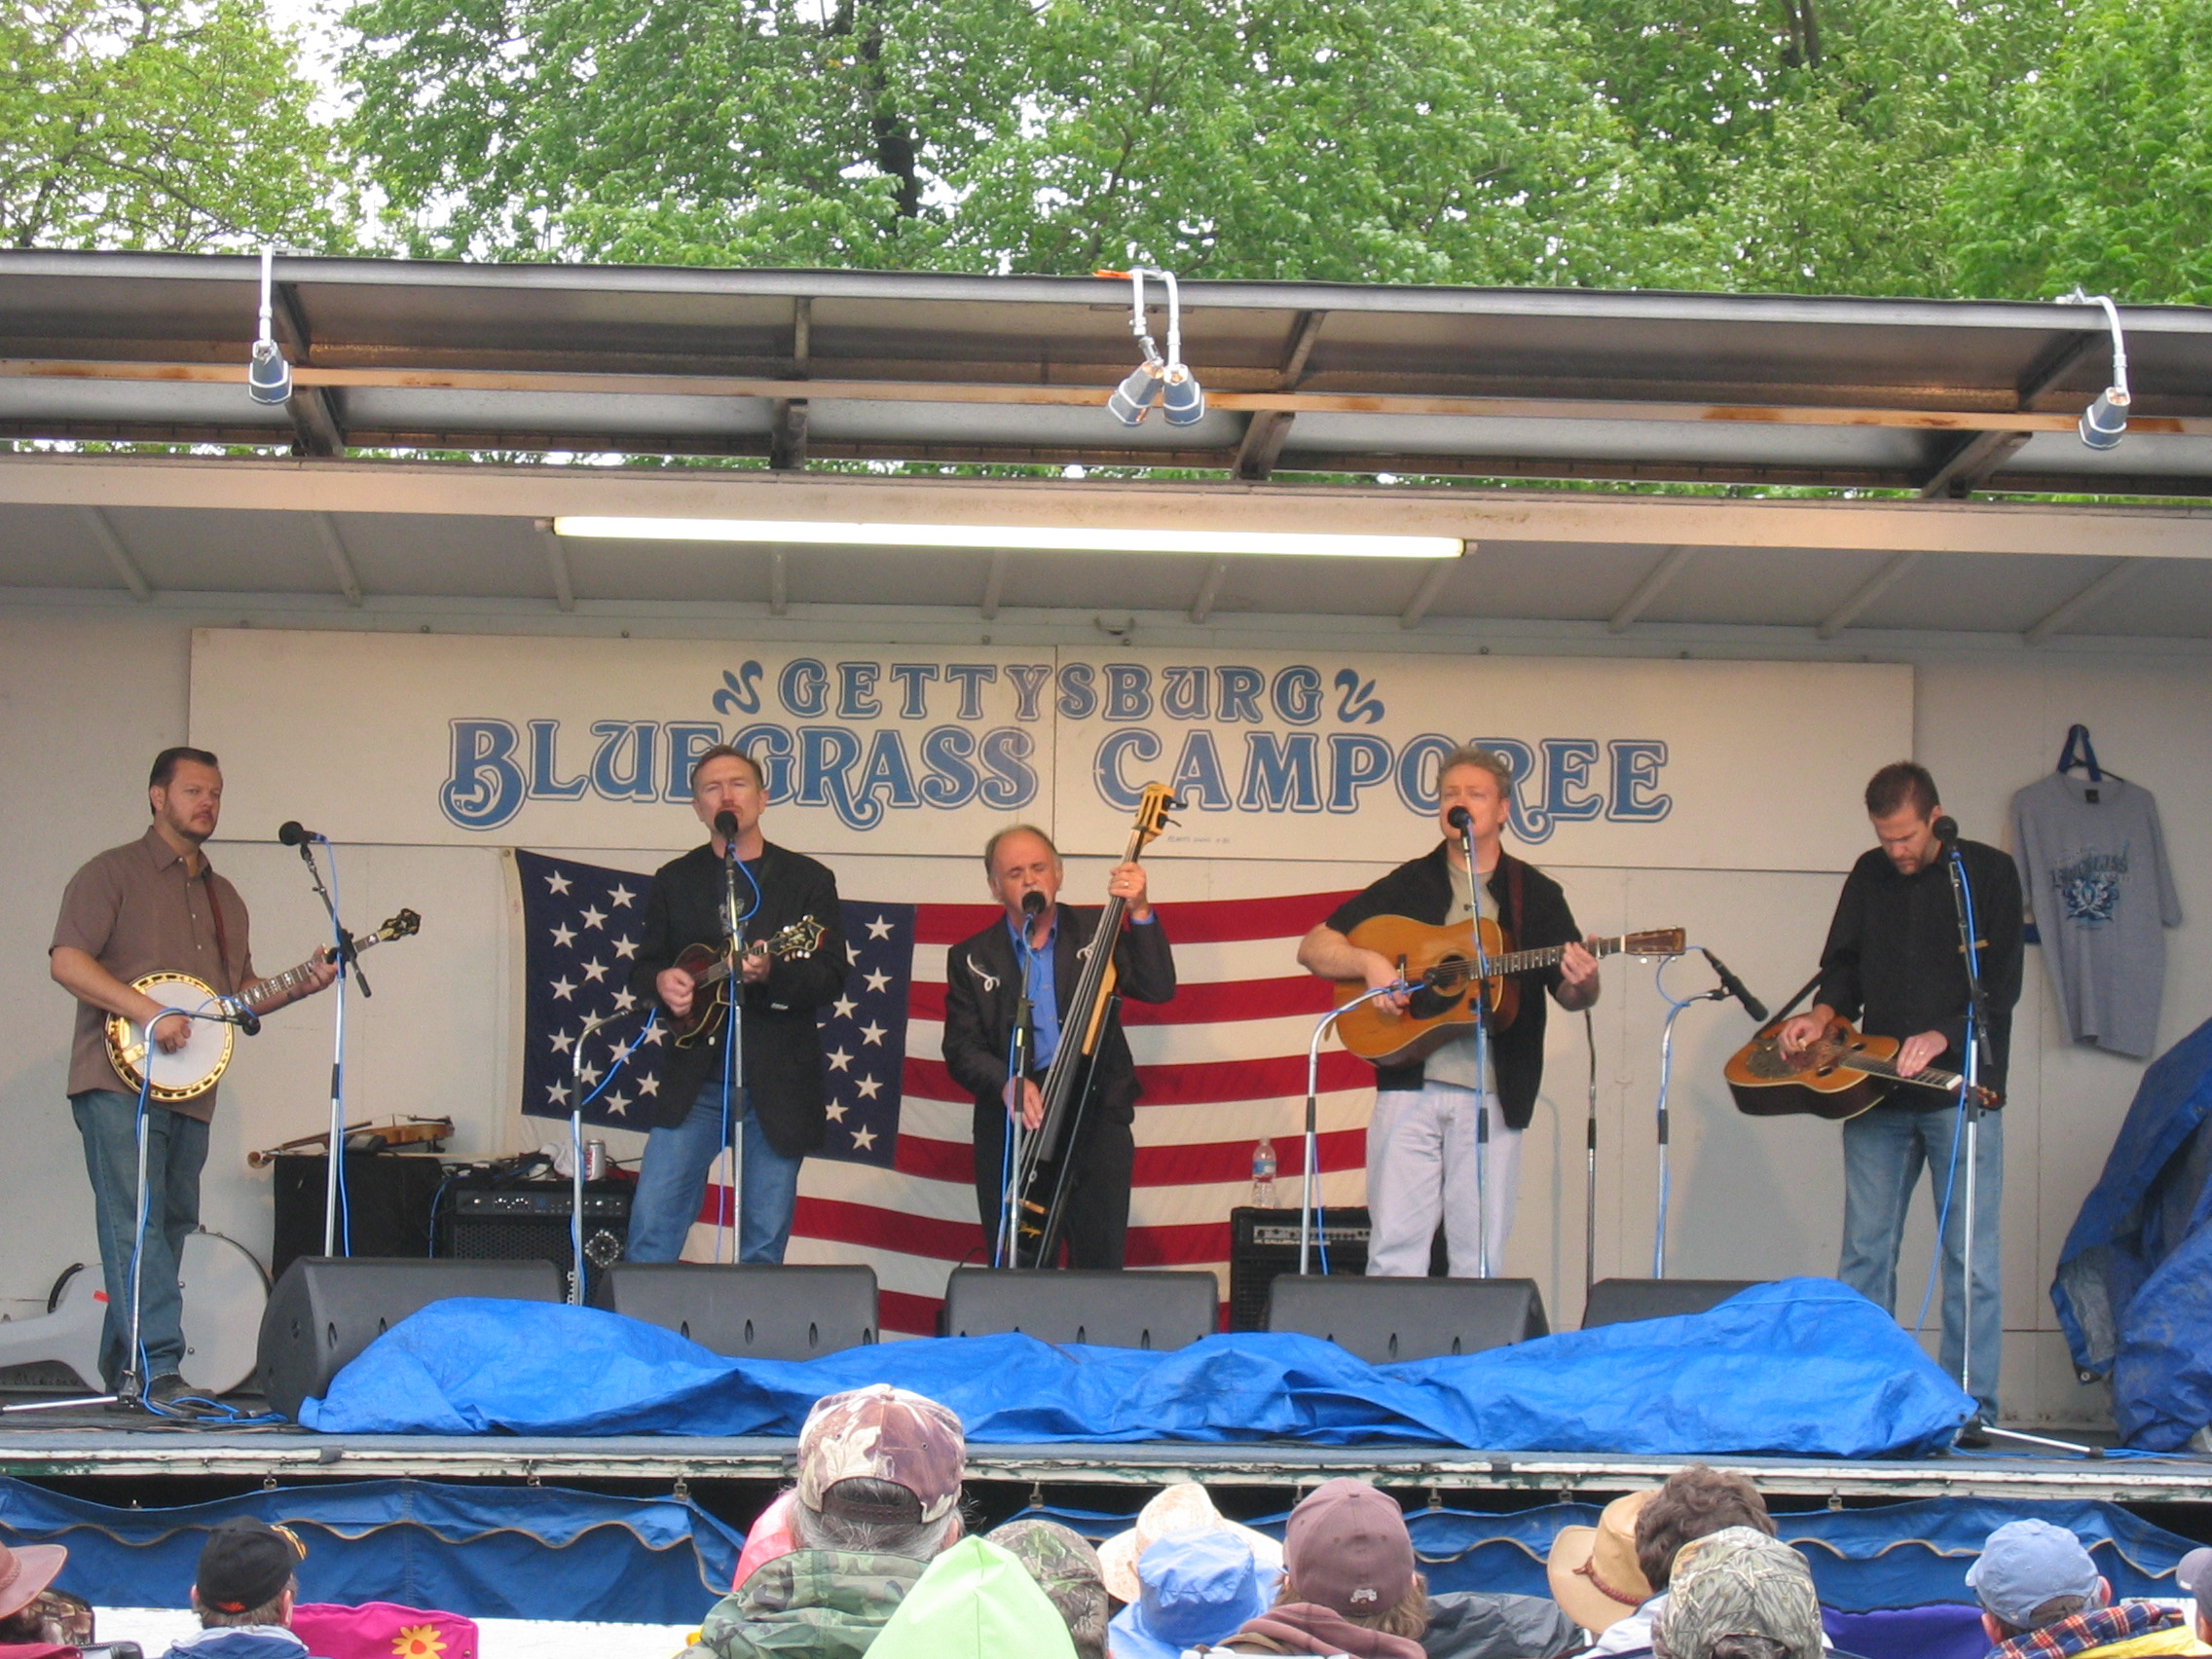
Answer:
(1384, 1320)
(327, 1309)
(748, 1311)
(1142, 1310)
(522, 1220)
(1622, 1300)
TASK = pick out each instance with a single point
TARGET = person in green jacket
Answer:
(976, 1601)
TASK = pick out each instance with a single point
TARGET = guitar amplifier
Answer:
(1264, 1242)
(529, 1221)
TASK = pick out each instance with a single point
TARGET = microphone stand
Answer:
(342, 952)
(1674, 1007)
(734, 1103)
(1022, 1043)
(1309, 1186)
(1590, 1166)
(1483, 1079)
(576, 1160)
(1969, 1101)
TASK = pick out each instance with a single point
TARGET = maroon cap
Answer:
(1347, 1547)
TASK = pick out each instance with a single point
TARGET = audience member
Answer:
(1740, 1594)
(877, 1498)
(1066, 1569)
(2194, 1576)
(244, 1593)
(2042, 1598)
(27, 1623)
(1595, 1581)
(1182, 1507)
(1694, 1503)
(976, 1601)
(1350, 1585)
(1192, 1587)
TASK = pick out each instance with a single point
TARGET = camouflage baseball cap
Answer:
(1066, 1569)
(1740, 1582)
(887, 1434)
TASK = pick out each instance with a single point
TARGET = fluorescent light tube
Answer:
(1018, 538)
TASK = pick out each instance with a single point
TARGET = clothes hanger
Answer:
(2080, 751)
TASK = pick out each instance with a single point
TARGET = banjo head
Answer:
(191, 1069)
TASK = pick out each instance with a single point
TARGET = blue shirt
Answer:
(1043, 995)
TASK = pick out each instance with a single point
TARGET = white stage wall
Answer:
(87, 697)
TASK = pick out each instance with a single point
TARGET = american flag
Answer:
(1223, 1066)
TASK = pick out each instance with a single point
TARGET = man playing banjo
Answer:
(151, 905)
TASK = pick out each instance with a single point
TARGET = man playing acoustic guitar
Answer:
(1421, 1140)
(1893, 952)
(148, 906)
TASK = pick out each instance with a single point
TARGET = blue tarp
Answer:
(536, 1553)
(1799, 1368)
(2134, 1284)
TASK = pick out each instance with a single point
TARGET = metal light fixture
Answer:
(1032, 539)
(269, 378)
(1163, 379)
(2105, 421)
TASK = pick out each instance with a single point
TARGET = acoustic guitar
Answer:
(1440, 962)
(1835, 1077)
(709, 966)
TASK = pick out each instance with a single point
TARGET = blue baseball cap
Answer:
(2026, 1564)
(1199, 1588)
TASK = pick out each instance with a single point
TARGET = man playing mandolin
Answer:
(152, 906)
(1893, 951)
(1421, 1140)
(781, 1099)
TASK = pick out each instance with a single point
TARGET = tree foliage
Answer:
(158, 123)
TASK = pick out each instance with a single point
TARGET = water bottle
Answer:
(1264, 1175)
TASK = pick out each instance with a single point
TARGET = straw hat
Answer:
(1593, 1570)
(24, 1574)
(1183, 1507)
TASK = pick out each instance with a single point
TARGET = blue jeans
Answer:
(673, 1184)
(1883, 1152)
(177, 1147)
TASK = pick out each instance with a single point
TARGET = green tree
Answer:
(2103, 179)
(1394, 141)
(158, 124)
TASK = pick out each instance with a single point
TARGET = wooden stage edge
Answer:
(285, 1455)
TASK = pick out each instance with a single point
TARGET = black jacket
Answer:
(1892, 965)
(783, 1045)
(982, 990)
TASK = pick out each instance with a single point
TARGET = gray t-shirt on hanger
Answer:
(2098, 881)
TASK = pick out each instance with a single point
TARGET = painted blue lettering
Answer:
(1297, 695)
(740, 692)
(1079, 694)
(971, 678)
(856, 690)
(1355, 761)
(1128, 691)
(485, 787)
(1197, 775)
(686, 744)
(1359, 705)
(771, 747)
(1239, 695)
(827, 756)
(544, 780)
(1012, 782)
(947, 750)
(1028, 679)
(1183, 693)
(1636, 780)
(805, 687)
(889, 774)
(913, 698)
(1132, 743)
(1566, 774)
(1531, 821)
(609, 779)
(1418, 763)
(1281, 773)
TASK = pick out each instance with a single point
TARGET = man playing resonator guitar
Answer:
(1421, 1140)
(153, 906)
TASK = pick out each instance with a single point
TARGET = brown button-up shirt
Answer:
(135, 911)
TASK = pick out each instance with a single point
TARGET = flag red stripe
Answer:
(847, 1222)
(909, 1316)
(1200, 1004)
(1204, 1083)
(1206, 1162)
(1201, 921)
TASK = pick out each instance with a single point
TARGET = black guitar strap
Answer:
(1791, 1007)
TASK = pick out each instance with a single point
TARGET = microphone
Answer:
(726, 826)
(1458, 818)
(292, 835)
(1948, 830)
(1736, 987)
(242, 1015)
(1033, 903)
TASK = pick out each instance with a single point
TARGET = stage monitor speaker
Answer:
(1384, 1321)
(327, 1309)
(1141, 1309)
(747, 1310)
(1622, 1300)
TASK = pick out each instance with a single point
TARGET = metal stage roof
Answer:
(1937, 400)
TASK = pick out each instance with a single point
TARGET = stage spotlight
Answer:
(1166, 379)
(2105, 421)
(269, 378)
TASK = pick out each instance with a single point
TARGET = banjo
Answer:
(194, 1068)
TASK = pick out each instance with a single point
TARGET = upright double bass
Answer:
(1040, 1214)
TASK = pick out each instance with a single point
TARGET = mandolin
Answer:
(1837, 1077)
(709, 964)
(1440, 962)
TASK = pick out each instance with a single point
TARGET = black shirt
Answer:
(1427, 890)
(1893, 964)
